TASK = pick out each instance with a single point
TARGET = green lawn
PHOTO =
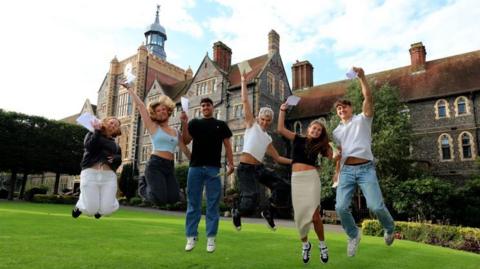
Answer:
(46, 236)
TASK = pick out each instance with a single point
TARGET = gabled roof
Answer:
(442, 77)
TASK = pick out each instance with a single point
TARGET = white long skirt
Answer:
(98, 191)
(306, 188)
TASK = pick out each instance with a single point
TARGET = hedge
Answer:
(456, 237)
(54, 199)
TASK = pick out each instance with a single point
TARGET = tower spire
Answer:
(156, 36)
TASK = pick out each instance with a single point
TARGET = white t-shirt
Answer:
(256, 141)
(355, 137)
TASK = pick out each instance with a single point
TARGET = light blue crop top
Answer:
(162, 141)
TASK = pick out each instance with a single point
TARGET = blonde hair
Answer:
(105, 122)
(162, 101)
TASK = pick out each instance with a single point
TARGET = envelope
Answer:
(293, 100)
(184, 102)
(86, 120)
(351, 74)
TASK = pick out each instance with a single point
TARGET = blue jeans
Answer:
(197, 178)
(365, 176)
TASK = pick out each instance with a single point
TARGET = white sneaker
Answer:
(191, 242)
(211, 244)
(353, 245)
(388, 238)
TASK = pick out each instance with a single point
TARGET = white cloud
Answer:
(373, 34)
(55, 54)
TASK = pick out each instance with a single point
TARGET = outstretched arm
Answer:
(229, 152)
(367, 108)
(149, 124)
(249, 118)
(183, 147)
(186, 137)
(281, 124)
(272, 152)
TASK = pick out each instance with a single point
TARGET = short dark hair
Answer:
(206, 100)
(342, 102)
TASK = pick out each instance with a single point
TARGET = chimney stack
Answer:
(222, 55)
(273, 43)
(302, 75)
(418, 56)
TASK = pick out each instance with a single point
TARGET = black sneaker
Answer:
(76, 212)
(323, 254)
(97, 216)
(306, 253)
(269, 218)
(237, 221)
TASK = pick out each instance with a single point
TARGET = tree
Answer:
(128, 182)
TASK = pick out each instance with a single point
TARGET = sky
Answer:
(55, 53)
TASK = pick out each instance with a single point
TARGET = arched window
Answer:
(466, 148)
(462, 106)
(441, 109)
(297, 127)
(445, 147)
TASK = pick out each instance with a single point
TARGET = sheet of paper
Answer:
(86, 120)
(129, 76)
(184, 102)
(351, 74)
(244, 67)
(293, 100)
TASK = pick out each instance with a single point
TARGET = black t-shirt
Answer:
(299, 153)
(208, 135)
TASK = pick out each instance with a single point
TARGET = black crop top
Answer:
(299, 153)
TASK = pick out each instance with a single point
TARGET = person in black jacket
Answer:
(98, 180)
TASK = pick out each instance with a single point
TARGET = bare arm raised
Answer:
(272, 152)
(367, 107)
(186, 137)
(249, 117)
(142, 109)
(281, 124)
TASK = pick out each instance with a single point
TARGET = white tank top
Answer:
(256, 141)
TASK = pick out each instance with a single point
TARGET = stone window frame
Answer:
(299, 125)
(197, 113)
(468, 110)
(450, 143)
(271, 83)
(124, 106)
(281, 90)
(237, 108)
(472, 146)
(217, 114)
(237, 147)
(206, 87)
(146, 151)
(447, 109)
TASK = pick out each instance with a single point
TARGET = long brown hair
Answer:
(320, 144)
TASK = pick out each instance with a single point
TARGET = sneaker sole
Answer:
(274, 228)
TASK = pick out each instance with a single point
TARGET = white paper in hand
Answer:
(86, 120)
(351, 74)
(129, 76)
(244, 67)
(184, 102)
(293, 100)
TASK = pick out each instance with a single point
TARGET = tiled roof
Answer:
(447, 76)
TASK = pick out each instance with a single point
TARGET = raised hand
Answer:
(359, 71)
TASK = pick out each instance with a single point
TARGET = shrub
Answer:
(53, 199)
(36, 190)
(135, 201)
(456, 237)
(128, 181)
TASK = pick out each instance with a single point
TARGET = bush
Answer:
(456, 237)
(135, 201)
(128, 181)
(28, 196)
(53, 199)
